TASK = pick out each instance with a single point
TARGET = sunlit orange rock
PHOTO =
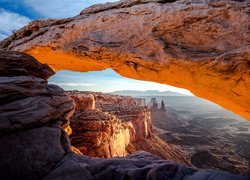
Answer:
(107, 128)
(202, 45)
(117, 126)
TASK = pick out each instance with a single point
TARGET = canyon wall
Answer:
(202, 46)
(34, 145)
(106, 129)
(105, 125)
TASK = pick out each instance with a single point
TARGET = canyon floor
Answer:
(211, 136)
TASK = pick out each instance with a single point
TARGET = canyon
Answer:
(106, 125)
(202, 46)
(34, 122)
(210, 136)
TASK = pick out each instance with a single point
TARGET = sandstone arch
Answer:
(202, 45)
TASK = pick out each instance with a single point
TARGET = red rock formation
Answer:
(153, 104)
(200, 45)
(86, 102)
(107, 129)
(118, 126)
(140, 101)
(162, 108)
(99, 134)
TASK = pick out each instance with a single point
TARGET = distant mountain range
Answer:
(136, 93)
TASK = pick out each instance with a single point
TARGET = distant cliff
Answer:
(135, 93)
(106, 125)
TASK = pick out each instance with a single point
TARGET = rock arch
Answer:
(202, 46)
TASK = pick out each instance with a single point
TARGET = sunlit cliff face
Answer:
(183, 45)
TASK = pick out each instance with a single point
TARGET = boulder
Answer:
(19, 64)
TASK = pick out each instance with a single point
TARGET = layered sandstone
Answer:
(35, 146)
(201, 45)
(111, 126)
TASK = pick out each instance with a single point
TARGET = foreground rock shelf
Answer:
(34, 145)
(200, 45)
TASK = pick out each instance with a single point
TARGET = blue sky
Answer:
(15, 14)
(105, 81)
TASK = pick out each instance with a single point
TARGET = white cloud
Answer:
(62, 8)
(11, 21)
(72, 84)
